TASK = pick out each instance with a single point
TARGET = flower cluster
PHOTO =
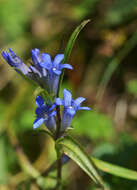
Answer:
(45, 73)
(45, 115)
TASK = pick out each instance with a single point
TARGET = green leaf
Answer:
(74, 150)
(114, 169)
(72, 39)
(69, 47)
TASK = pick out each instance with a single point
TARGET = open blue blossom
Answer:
(54, 69)
(70, 108)
(14, 61)
(43, 70)
(44, 114)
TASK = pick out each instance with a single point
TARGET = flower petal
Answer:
(39, 101)
(12, 53)
(67, 97)
(38, 111)
(44, 72)
(23, 68)
(52, 113)
(50, 124)
(57, 72)
(66, 66)
(59, 101)
(46, 61)
(57, 60)
(35, 56)
(52, 107)
(35, 70)
(37, 122)
(5, 55)
(78, 101)
(84, 108)
(36, 51)
(71, 111)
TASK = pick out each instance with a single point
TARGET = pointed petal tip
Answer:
(10, 50)
(66, 91)
(59, 101)
(66, 66)
(84, 108)
(38, 122)
(4, 54)
(67, 97)
(39, 101)
(58, 58)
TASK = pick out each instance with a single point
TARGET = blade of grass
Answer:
(113, 65)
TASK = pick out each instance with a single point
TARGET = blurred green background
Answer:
(105, 72)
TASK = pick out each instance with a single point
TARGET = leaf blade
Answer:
(69, 47)
(72, 40)
(74, 150)
(114, 169)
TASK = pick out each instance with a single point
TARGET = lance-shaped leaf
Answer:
(74, 150)
(72, 39)
(69, 47)
(114, 169)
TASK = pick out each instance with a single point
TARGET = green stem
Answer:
(59, 173)
(59, 158)
(58, 123)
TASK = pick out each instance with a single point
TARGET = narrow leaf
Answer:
(74, 150)
(69, 47)
(114, 169)
(72, 40)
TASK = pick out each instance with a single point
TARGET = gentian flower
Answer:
(44, 114)
(54, 69)
(43, 71)
(70, 108)
(14, 61)
(34, 72)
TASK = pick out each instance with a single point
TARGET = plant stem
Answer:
(59, 159)
(59, 172)
(58, 123)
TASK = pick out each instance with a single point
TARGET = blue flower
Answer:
(14, 61)
(54, 69)
(44, 114)
(43, 71)
(70, 108)
(36, 68)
